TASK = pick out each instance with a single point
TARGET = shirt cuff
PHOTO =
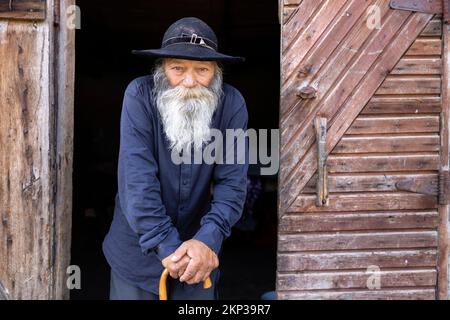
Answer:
(168, 246)
(210, 235)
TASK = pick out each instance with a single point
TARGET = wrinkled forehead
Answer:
(188, 63)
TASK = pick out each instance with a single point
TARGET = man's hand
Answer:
(176, 265)
(202, 262)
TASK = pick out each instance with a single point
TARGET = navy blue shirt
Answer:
(160, 204)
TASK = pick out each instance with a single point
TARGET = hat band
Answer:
(194, 39)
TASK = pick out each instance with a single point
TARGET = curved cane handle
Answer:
(163, 284)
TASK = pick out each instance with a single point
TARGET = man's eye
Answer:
(203, 69)
(177, 68)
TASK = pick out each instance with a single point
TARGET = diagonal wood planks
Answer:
(347, 93)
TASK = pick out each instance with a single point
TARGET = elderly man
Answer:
(165, 215)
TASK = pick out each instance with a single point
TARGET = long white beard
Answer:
(186, 113)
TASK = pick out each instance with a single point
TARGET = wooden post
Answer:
(36, 90)
(64, 80)
(443, 263)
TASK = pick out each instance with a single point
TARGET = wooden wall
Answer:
(34, 164)
(381, 92)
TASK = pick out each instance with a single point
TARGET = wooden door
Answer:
(36, 122)
(383, 90)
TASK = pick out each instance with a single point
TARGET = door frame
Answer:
(443, 292)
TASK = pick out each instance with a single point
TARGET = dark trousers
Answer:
(120, 289)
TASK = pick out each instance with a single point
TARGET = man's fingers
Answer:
(174, 268)
(190, 271)
(179, 253)
(182, 265)
(197, 278)
(183, 262)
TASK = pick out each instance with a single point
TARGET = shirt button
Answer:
(185, 182)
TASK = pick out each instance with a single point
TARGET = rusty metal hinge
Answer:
(423, 186)
(424, 6)
(444, 187)
(439, 187)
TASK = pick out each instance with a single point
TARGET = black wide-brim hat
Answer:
(192, 39)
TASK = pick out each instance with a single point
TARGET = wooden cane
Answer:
(163, 284)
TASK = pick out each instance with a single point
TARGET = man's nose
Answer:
(189, 81)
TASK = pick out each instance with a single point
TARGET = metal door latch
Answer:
(320, 125)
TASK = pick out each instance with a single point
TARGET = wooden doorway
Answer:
(249, 28)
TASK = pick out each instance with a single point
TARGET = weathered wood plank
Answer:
(410, 294)
(297, 134)
(288, 13)
(356, 260)
(324, 222)
(26, 181)
(375, 163)
(357, 241)
(386, 144)
(343, 32)
(64, 150)
(329, 60)
(35, 155)
(401, 104)
(433, 29)
(294, 174)
(425, 47)
(371, 182)
(301, 14)
(395, 124)
(410, 85)
(366, 202)
(414, 66)
(356, 279)
(23, 9)
(296, 48)
(444, 225)
(292, 2)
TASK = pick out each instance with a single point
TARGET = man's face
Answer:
(186, 94)
(189, 73)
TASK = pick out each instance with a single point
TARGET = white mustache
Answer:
(190, 96)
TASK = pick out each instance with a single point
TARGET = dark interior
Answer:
(104, 67)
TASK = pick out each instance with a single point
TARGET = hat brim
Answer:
(189, 52)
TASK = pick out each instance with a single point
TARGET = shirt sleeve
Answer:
(230, 190)
(138, 184)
